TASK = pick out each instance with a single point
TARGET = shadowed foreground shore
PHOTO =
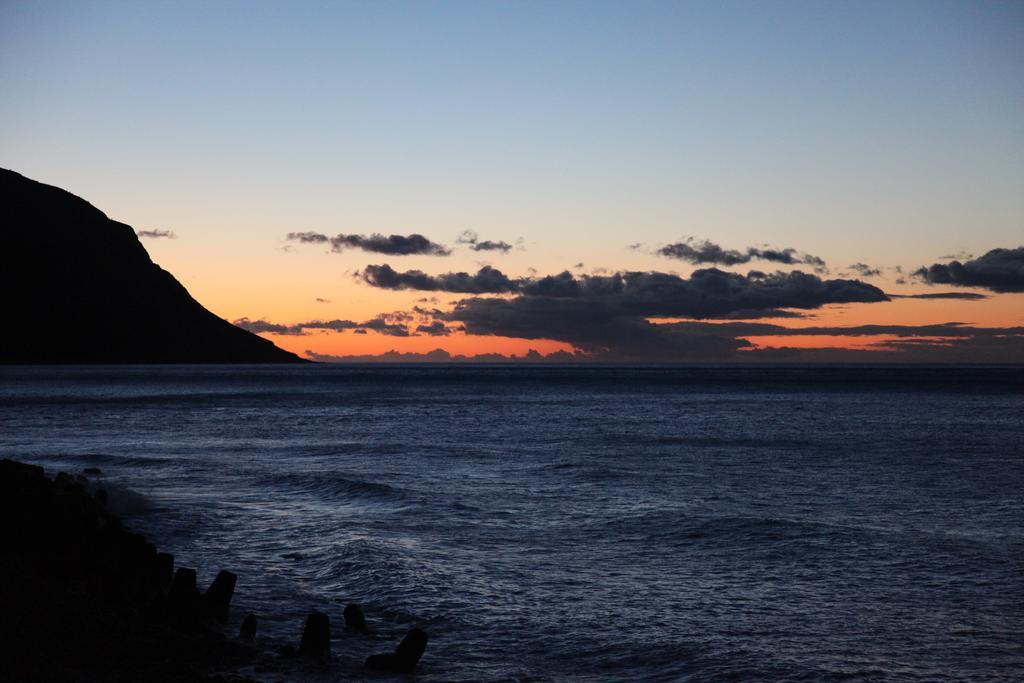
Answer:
(85, 599)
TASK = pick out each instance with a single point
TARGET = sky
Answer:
(635, 172)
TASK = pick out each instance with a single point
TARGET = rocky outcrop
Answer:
(405, 656)
(85, 599)
(80, 288)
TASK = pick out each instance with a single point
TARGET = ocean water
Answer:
(578, 523)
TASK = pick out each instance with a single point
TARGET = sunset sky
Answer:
(648, 150)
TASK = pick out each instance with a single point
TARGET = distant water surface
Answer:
(579, 523)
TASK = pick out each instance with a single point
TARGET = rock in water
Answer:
(404, 659)
(354, 619)
(316, 636)
(217, 599)
(248, 631)
(184, 583)
(163, 571)
(183, 601)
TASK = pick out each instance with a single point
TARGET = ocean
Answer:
(569, 523)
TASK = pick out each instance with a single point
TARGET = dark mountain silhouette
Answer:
(78, 287)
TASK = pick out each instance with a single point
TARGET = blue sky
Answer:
(883, 132)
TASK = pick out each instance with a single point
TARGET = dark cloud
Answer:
(591, 327)
(700, 253)
(607, 316)
(307, 237)
(965, 350)
(156, 234)
(706, 252)
(1000, 270)
(394, 245)
(487, 280)
(956, 344)
(427, 312)
(300, 329)
(864, 270)
(967, 296)
(951, 342)
(393, 325)
(612, 316)
(471, 239)
(817, 263)
(708, 341)
(264, 327)
(320, 300)
(707, 293)
(434, 329)
(399, 245)
(961, 255)
(489, 245)
(986, 348)
(785, 256)
(757, 315)
(334, 325)
(943, 330)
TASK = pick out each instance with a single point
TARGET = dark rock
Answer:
(184, 582)
(405, 658)
(156, 577)
(412, 646)
(248, 630)
(80, 596)
(163, 571)
(316, 636)
(101, 497)
(183, 600)
(104, 300)
(135, 558)
(217, 599)
(12, 470)
(354, 619)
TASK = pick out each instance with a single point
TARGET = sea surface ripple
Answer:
(579, 523)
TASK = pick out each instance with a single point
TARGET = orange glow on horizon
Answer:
(998, 310)
(874, 342)
(1002, 310)
(372, 343)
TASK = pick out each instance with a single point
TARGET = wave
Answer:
(734, 442)
(182, 398)
(333, 486)
(668, 526)
(126, 502)
(92, 459)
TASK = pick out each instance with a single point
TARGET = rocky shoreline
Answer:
(86, 599)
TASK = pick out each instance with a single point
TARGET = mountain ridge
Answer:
(79, 287)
